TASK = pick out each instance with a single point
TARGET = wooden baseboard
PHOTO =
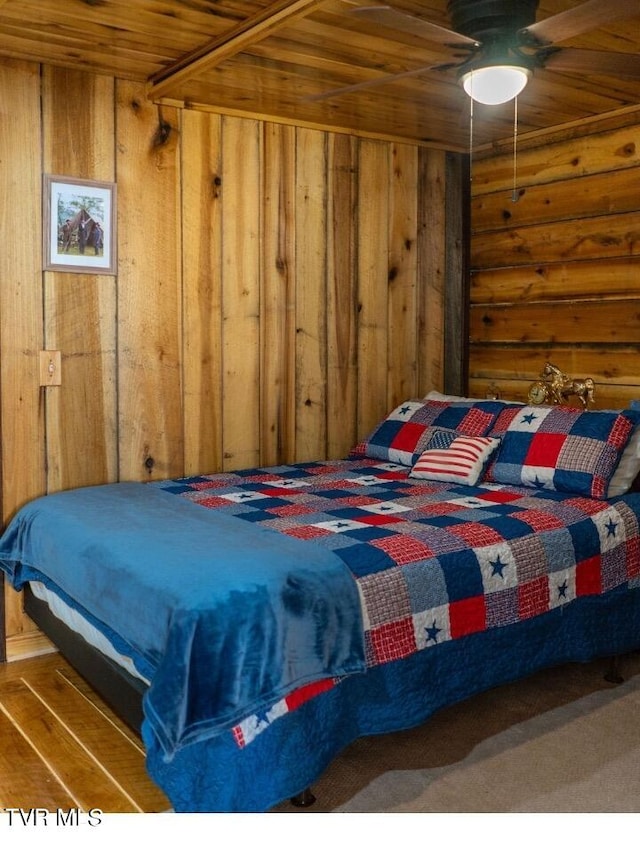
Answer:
(28, 644)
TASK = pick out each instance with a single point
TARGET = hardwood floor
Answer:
(61, 747)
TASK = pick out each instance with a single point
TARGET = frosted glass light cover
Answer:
(495, 84)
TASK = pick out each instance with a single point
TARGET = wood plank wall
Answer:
(556, 274)
(278, 290)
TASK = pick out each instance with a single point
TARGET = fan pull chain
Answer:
(470, 140)
(514, 191)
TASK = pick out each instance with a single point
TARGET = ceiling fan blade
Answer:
(380, 81)
(580, 19)
(387, 16)
(595, 62)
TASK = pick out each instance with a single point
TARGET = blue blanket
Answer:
(223, 616)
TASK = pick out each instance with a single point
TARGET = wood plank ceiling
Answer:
(271, 59)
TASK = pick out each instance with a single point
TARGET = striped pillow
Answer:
(454, 458)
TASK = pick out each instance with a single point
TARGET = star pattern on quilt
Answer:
(611, 527)
(498, 566)
(540, 483)
(432, 632)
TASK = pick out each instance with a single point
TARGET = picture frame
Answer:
(79, 225)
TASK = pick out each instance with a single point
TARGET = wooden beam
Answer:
(280, 14)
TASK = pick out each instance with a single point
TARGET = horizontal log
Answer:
(594, 279)
(618, 149)
(592, 195)
(615, 236)
(567, 323)
(496, 363)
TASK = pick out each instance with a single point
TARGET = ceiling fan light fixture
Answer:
(495, 84)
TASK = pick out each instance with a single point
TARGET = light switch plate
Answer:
(50, 368)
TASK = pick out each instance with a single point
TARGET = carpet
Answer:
(561, 741)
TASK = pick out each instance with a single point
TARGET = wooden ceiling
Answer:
(272, 59)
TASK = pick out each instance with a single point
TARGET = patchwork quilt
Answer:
(432, 562)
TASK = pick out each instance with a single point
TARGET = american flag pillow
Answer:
(454, 458)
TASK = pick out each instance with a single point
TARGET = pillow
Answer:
(628, 468)
(454, 458)
(403, 435)
(440, 396)
(626, 478)
(562, 448)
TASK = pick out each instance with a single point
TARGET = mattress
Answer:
(79, 624)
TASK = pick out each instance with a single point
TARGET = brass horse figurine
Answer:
(561, 386)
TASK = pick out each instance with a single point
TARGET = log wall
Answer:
(278, 290)
(556, 274)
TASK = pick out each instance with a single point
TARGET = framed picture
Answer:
(79, 225)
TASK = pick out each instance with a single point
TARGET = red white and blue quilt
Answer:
(433, 563)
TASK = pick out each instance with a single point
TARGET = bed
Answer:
(254, 623)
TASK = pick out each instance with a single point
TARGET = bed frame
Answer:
(119, 689)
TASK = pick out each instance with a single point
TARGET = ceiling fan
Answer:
(497, 44)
